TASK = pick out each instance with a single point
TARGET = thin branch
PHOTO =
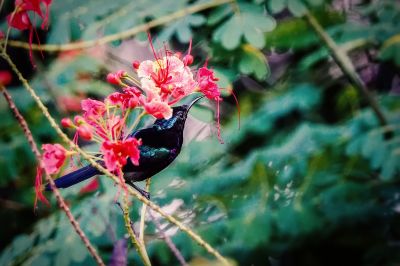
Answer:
(86, 156)
(140, 248)
(168, 241)
(22, 122)
(121, 35)
(143, 213)
(345, 64)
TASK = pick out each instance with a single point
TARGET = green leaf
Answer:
(218, 14)
(182, 28)
(253, 62)
(250, 22)
(297, 8)
(21, 244)
(390, 50)
(276, 6)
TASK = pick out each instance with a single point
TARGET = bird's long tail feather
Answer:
(74, 177)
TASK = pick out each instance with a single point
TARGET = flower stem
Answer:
(345, 64)
(143, 213)
(195, 237)
(140, 248)
(24, 125)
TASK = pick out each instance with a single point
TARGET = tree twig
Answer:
(131, 191)
(168, 241)
(140, 248)
(121, 35)
(28, 134)
(345, 64)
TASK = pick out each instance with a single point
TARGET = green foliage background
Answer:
(311, 178)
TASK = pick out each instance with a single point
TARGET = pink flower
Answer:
(206, 82)
(153, 103)
(170, 76)
(93, 109)
(116, 153)
(158, 109)
(53, 157)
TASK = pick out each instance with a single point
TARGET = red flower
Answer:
(19, 18)
(90, 187)
(53, 157)
(116, 153)
(206, 82)
(127, 100)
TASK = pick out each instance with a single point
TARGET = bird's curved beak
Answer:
(194, 101)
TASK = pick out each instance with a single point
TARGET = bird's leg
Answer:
(141, 191)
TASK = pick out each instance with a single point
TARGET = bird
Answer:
(161, 144)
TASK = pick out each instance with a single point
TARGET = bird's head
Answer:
(179, 115)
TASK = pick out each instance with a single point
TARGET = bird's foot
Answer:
(142, 192)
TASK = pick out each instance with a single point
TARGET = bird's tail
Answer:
(74, 177)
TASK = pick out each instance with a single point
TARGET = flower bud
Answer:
(188, 60)
(112, 79)
(121, 73)
(66, 122)
(5, 77)
(136, 64)
(85, 132)
(79, 120)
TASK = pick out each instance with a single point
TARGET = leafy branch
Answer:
(89, 158)
(120, 35)
(61, 202)
(345, 64)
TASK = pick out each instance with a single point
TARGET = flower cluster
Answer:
(154, 88)
(19, 19)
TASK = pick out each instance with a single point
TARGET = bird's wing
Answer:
(150, 157)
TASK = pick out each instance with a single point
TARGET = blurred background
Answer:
(310, 178)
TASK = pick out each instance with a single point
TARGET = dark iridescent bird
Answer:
(161, 144)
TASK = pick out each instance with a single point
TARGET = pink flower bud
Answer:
(121, 73)
(78, 120)
(5, 77)
(112, 79)
(136, 64)
(85, 132)
(188, 60)
(66, 122)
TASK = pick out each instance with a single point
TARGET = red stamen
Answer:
(38, 188)
(219, 122)
(237, 106)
